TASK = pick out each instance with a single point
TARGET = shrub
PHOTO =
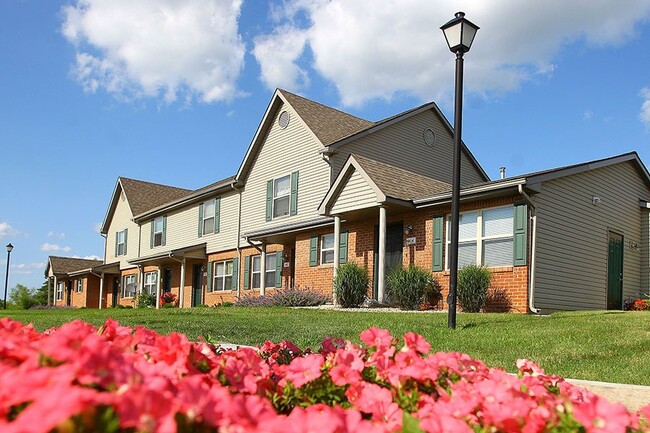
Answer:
(638, 304)
(294, 297)
(408, 287)
(22, 297)
(168, 300)
(497, 301)
(351, 285)
(145, 300)
(473, 284)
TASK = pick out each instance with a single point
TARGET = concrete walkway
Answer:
(634, 397)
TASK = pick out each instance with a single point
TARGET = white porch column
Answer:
(181, 300)
(101, 290)
(56, 285)
(49, 291)
(263, 270)
(381, 262)
(159, 277)
(337, 243)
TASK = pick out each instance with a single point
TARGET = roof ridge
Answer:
(130, 179)
(285, 92)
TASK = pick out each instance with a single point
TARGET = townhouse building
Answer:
(319, 187)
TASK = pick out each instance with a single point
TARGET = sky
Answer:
(172, 92)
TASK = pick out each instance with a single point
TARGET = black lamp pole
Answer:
(459, 33)
(9, 249)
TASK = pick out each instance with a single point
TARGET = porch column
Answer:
(181, 301)
(263, 270)
(381, 259)
(140, 279)
(101, 289)
(337, 242)
(55, 288)
(49, 290)
(159, 277)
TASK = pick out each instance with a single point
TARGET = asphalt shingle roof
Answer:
(66, 265)
(144, 196)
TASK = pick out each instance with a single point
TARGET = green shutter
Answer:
(117, 234)
(294, 194)
(126, 238)
(201, 220)
(217, 213)
(437, 244)
(164, 233)
(520, 238)
(209, 285)
(235, 274)
(247, 271)
(278, 269)
(269, 200)
(151, 236)
(313, 251)
(343, 247)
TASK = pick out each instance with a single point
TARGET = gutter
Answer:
(533, 247)
(239, 258)
(435, 200)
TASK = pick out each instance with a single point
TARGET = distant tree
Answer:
(22, 297)
(41, 294)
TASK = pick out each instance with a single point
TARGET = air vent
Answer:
(429, 137)
(283, 120)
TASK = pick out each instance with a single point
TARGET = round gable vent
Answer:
(283, 120)
(429, 137)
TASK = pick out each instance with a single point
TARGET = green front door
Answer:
(197, 285)
(394, 246)
(615, 272)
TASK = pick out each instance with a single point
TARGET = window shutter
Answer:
(209, 284)
(126, 238)
(201, 220)
(247, 271)
(437, 244)
(151, 236)
(520, 238)
(278, 269)
(313, 251)
(217, 213)
(269, 200)
(343, 247)
(294, 194)
(164, 233)
(117, 234)
(235, 273)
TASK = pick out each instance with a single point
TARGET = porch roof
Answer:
(287, 229)
(194, 252)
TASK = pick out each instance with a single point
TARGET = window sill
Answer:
(494, 270)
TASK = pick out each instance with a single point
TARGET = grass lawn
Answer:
(595, 345)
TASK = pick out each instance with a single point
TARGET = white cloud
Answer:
(97, 227)
(6, 230)
(91, 257)
(156, 48)
(54, 248)
(375, 50)
(644, 115)
(56, 235)
(26, 268)
(587, 115)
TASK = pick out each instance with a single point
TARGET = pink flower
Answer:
(416, 342)
(375, 337)
(303, 370)
(601, 416)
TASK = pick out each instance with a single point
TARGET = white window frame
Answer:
(126, 280)
(257, 258)
(79, 287)
(479, 238)
(59, 291)
(158, 233)
(150, 282)
(219, 281)
(207, 217)
(267, 271)
(270, 270)
(325, 250)
(121, 245)
(280, 197)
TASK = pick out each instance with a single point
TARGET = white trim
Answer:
(287, 195)
(221, 278)
(324, 250)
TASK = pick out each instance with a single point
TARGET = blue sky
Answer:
(172, 91)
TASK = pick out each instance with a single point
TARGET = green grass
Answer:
(594, 345)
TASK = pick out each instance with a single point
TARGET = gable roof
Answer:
(141, 197)
(67, 265)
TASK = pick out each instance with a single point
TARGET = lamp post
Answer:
(9, 249)
(459, 33)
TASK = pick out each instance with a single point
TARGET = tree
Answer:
(22, 297)
(41, 294)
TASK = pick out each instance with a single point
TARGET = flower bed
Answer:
(115, 378)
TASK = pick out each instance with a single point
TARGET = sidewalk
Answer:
(634, 397)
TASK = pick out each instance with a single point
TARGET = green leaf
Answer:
(410, 424)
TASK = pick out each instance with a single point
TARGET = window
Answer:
(150, 282)
(120, 248)
(158, 231)
(485, 238)
(129, 286)
(256, 271)
(59, 292)
(208, 217)
(222, 275)
(80, 286)
(281, 195)
(327, 249)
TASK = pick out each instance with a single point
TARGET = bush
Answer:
(638, 304)
(351, 285)
(23, 297)
(168, 300)
(408, 287)
(294, 297)
(473, 284)
(146, 300)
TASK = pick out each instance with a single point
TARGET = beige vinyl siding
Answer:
(285, 151)
(226, 239)
(122, 219)
(572, 237)
(356, 194)
(402, 145)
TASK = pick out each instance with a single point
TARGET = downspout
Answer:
(239, 258)
(533, 246)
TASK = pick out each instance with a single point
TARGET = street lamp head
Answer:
(10, 248)
(459, 33)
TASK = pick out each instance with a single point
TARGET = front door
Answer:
(615, 272)
(394, 246)
(116, 291)
(68, 301)
(197, 285)
(167, 280)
